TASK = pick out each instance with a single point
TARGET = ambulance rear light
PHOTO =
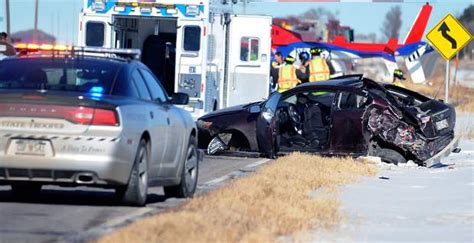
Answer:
(192, 10)
(98, 5)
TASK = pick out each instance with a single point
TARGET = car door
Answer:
(348, 130)
(267, 126)
(158, 126)
(175, 137)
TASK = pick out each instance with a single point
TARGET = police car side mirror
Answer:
(180, 99)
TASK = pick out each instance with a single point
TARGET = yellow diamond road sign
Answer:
(449, 36)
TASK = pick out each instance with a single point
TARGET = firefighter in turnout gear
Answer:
(398, 77)
(290, 76)
(318, 67)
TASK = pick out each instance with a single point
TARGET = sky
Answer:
(60, 17)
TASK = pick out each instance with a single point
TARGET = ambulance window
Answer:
(249, 49)
(95, 33)
(192, 38)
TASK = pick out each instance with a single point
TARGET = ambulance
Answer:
(198, 47)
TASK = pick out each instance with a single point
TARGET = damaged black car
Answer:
(347, 116)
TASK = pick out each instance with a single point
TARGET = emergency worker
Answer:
(6, 48)
(398, 77)
(318, 67)
(278, 62)
(275, 69)
(290, 76)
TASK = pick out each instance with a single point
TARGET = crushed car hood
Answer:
(228, 110)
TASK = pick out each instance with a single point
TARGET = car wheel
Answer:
(391, 156)
(23, 189)
(189, 174)
(135, 192)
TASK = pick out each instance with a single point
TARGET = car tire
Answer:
(135, 192)
(23, 189)
(189, 174)
(391, 156)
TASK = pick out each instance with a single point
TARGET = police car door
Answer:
(248, 77)
(190, 46)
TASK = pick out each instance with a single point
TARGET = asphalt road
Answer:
(73, 214)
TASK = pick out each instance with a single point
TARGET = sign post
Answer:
(448, 37)
(446, 83)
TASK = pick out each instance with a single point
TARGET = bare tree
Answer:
(392, 23)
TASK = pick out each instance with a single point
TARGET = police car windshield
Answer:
(67, 74)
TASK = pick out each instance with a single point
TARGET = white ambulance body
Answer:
(197, 47)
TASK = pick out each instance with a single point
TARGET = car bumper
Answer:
(111, 166)
(445, 152)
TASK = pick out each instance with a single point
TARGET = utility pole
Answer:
(7, 13)
(35, 33)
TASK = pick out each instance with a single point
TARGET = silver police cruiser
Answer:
(77, 116)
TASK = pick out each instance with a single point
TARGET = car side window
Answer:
(156, 91)
(350, 101)
(124, 87)
(141, 86)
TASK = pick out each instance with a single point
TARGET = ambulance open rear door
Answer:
(94, 31)
(190, 58)
(248, 77)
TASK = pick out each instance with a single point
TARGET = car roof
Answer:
(62, 56)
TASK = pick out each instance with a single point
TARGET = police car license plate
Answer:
(30, 147)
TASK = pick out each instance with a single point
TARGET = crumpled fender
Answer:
(385, 125)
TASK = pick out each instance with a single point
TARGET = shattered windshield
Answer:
(58, 74)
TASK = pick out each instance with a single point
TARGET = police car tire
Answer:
(184, 189)
(135, 192)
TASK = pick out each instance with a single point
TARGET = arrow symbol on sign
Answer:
(444, 29)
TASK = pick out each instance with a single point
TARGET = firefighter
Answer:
(6, 48)
(398, 77)
(318, 67)
(290, 76)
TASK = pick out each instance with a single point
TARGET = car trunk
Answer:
(25, 113)
(435, 118)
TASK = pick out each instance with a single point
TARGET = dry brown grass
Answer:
(272, 202)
